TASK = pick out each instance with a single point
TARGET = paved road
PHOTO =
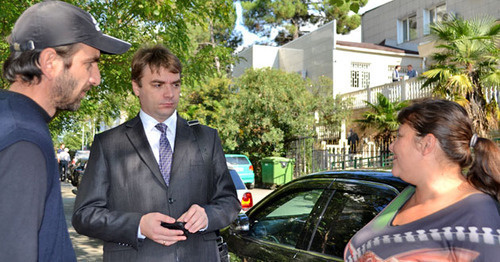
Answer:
(90, 249)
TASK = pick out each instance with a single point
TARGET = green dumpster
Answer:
(277, 170)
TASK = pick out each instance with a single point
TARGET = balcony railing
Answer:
(404, 90)
(395, 92)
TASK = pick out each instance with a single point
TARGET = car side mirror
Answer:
(241, 224)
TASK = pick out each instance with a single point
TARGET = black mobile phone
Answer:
(177, 225)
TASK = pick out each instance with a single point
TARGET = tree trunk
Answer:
(212, 42)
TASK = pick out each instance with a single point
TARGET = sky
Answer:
(250, 38)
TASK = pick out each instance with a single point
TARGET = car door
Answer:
(353, 204)
(278, 224)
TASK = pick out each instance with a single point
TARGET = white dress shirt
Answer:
(154, 134)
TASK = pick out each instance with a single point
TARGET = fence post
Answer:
(404, 90)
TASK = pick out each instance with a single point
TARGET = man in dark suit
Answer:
(127, 191)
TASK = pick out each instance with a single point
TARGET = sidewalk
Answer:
(86, 249)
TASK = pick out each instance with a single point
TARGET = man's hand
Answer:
(151, 228)
(195, 218)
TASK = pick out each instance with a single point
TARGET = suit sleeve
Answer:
(91, 215)
(224, 205)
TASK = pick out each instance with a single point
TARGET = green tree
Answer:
(289, 15)
(465, 65)
(141, 21)
(209, 103)
(268, 109)
(331, 111)
(382, 117)
(340, 11)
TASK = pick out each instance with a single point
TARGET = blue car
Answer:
(244, 167)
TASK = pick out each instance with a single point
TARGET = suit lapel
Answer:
(184, 140)
(137, 136)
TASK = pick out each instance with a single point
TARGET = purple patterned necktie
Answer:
(165, 162)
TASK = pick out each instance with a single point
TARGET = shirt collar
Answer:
(149, 122)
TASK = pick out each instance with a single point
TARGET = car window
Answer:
(236, 179)
(284, 219)
(84, 155)
(352, 206)
(237, 160)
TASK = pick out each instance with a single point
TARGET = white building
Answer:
(352, 66)
(395, 33)
(406, 23)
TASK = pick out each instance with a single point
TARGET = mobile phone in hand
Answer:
(177, 225)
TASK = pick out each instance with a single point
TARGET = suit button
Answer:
(171, 200)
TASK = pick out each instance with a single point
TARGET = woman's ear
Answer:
(428, 144)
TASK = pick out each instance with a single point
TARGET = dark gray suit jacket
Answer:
(122, 182)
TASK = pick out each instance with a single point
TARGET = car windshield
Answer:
(236, 179)
(237, 160)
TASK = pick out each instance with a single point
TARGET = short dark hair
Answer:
(26, 64)
(155, 57)
(453, 130)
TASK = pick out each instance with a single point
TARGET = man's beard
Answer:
(65, 86)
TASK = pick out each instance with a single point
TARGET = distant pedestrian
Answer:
(396, 76)
(411, 72)
(353, 141)
(55, 48)
(64, 159)
(61, 148)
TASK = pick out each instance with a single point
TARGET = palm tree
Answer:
(383, 118)
(467, 62)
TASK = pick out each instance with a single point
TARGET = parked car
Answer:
(244, 167)
(244, 195)
(311, 218)
(77, 166)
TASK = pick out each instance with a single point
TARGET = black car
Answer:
(77, 166)
(311, 218)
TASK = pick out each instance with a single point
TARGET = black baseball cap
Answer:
(57, 23)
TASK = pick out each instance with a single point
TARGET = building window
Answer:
(432, 16)
(409, 28)
(360, 75)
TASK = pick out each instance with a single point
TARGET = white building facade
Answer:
(406, 23)
(352, 66)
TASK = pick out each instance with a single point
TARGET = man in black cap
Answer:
(55, 48)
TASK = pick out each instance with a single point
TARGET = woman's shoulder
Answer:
(481, 201)
(482, 207)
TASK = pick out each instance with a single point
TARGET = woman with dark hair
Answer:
(449, 214)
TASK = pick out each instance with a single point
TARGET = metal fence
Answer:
(324, 160)
(310, 159)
